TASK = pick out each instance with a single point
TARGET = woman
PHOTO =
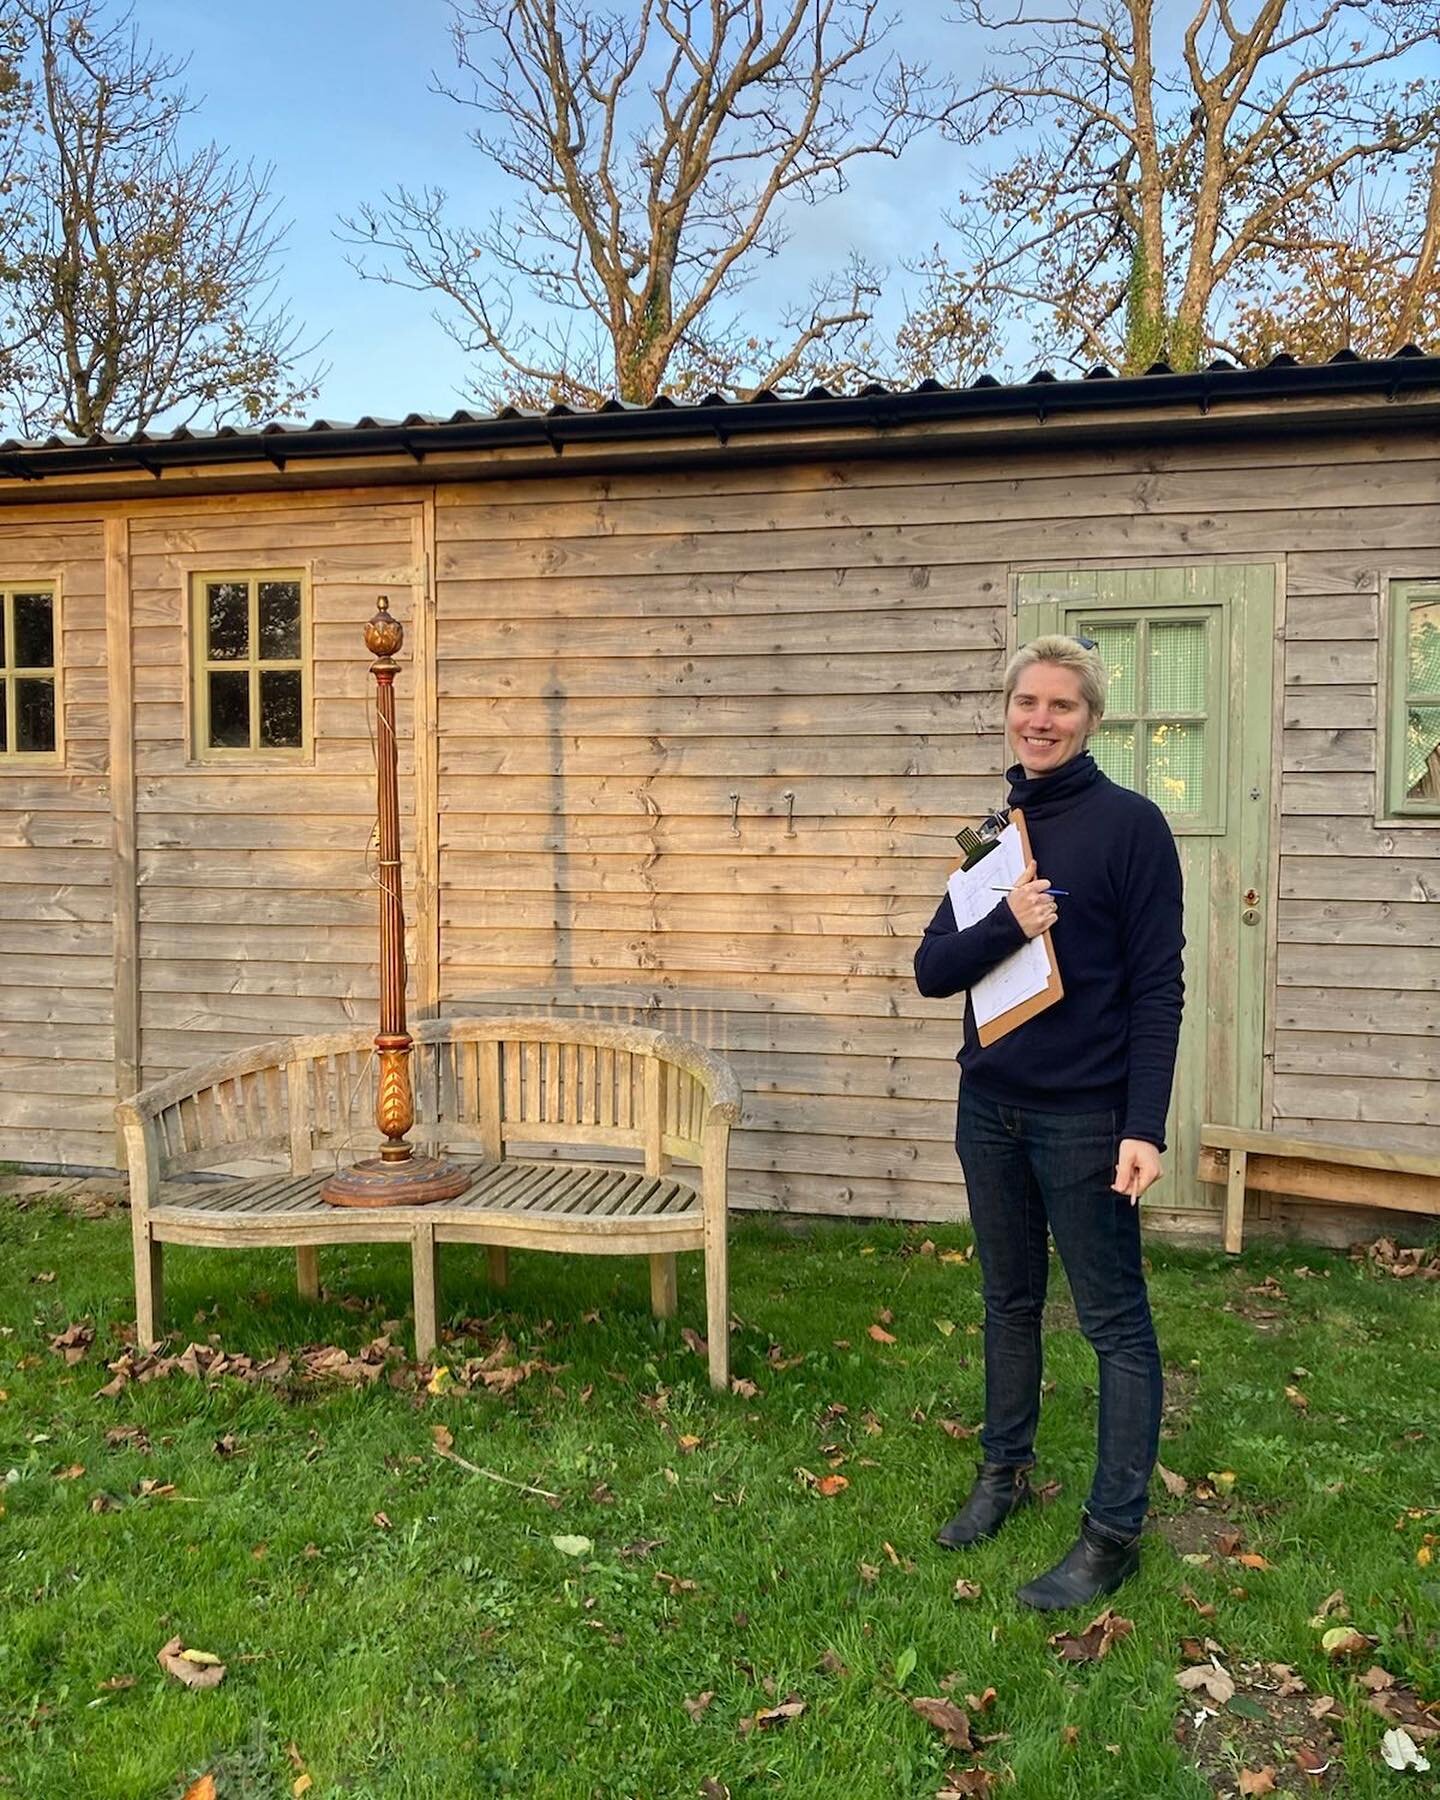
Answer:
(1062, 1122)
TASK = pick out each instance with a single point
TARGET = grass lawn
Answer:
(393, 1624)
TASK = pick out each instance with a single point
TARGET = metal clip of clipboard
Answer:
(979, 840)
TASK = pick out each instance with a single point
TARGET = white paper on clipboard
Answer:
(1022, 976)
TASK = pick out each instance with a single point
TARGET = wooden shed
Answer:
(695, 699)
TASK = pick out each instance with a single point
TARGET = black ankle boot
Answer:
(999, 1490)
(1094, 1565)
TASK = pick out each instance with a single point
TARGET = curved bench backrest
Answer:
(479, 1083)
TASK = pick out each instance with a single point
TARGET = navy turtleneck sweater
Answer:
(1110, 1042)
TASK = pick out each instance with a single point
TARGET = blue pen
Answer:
(1059, 893)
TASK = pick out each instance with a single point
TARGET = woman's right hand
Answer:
(1030, 902)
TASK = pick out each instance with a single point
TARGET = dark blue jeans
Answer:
(1026, 1171)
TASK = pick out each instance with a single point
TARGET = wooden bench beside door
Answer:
(1343, 1174)
(483, 1088)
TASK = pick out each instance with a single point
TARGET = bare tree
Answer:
(653, 157)
(140, 273)
(1165, 171)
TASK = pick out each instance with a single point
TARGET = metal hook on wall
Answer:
(735, 815)
(789, 798)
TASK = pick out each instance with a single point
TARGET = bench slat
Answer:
(1235, 1137)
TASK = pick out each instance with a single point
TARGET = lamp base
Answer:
(417, 1181)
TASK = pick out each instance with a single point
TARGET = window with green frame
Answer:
(1414, 759)
(29, 727)
(1161, 731)
(252, 678)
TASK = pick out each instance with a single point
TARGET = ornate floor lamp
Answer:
(398, 1176)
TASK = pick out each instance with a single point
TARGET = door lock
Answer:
(1250, 914)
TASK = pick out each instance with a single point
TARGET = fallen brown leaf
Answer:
(383, 1521)
(444, 1438)
(966, 1590)
(981, 1703)
(116, 1684)
(203, 1789)
(881, 1335)
(1375, 1678)
(1258, 1781)
(830, 1664)
(699, 1705)
(1210, 1677)
(692, 1340)
(711, 1789)
(771, 1716)
(1095, 1641)
(192, 1668)
(953, 1428)
(1191, 1598)
(1341, 1640)
(744, 1387)
(72, 1472)
(966, 1784)
(1311, 1761)
(1249, 1559)
(1332, 1603)
(73, 1342)
(948, 1719)
(1175, 1485)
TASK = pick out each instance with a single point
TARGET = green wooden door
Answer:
(1188, 722)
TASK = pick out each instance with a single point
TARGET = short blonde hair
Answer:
(1065, 653)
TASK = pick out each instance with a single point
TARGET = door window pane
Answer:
(1176, 676)
(1424, 649)
(1175, 768)
(280, 708)
(1113, 747)
(228, 620)
(229, 709)
(279, 620)
(34, 631)
(1115, 646)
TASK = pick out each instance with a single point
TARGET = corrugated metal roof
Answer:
(1044, 393)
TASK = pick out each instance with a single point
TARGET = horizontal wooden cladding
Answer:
(1355, 1098)
(1319, 835)
(55, 1040)
(75, 1149)
(561, 639)
(579, 949)
(1338, 708)
(875, 1022)
(267, 973)
(830, 472)
(759, 835)
(563, 758)
(849, 1196)
(258, 939)
(46, 1075)
(1357, 966)
(1193, 534)
(470, 601)
(254, 829)
(784, 914)
(1329, 662)
(1334, 749)
(1349, 1130)
(293, 790)
(575, 797)
(837, 675)
(1328, 793)
(951, 709)
(1386, 1010)
(46, 902)
(842, 1154)
(368, 522)
(52, 1111)
(1330, 617)
(1395, 922)
(1337, 877)
(1022, 494)
(795, 880)
(53, 868)
(292, 908)
(50, 790)
(247, 1018)
(1375, 1055)
(31, 936)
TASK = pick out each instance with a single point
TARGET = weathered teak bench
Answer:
(1309, 1170)
(485, 1088)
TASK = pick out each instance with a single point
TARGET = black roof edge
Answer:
(1044, 399)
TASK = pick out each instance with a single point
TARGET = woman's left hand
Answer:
(1137, 1169)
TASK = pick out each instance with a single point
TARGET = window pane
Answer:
(227, 610)
(34, 631)
(279, 620)
(1424, 677)
(1422, 753)
(4, 716)
(229, 709)
(1113, 747)
(1115, 645)
(1177, 667)
(1175, 768)
(280, 707)
(34, 715)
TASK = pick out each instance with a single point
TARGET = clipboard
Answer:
(1000, 1024)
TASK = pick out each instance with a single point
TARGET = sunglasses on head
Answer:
(1085, 643)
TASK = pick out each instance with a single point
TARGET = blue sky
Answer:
(335, 93)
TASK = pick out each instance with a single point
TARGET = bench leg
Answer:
(717, 1307)
(497, 1256)
(149, 1287)
(307, 1272)
(663, 1298)
(1235, 1202)
(425, 1272)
